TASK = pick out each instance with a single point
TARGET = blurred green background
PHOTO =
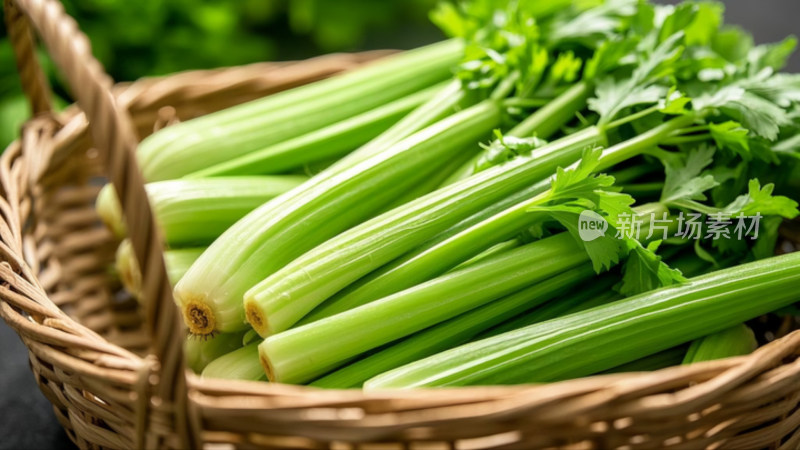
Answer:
(134, 38)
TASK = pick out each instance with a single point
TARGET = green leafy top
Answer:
(541, 45)
(683, 179)
(576, 190)
(593, 25)
(644, 270)
(687, 181)
(651, 55)
(689, 178)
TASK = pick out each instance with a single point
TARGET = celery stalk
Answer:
(177, 260)
(734, 341)
(277, 232)
(610, 335)
(431, 183)
(489, 252)
(287, 295)
(304, 353)
(200, 351)
(241, 364)
(599, 291)
(332, 141)
(452, 332)
(195, 212)
(214, 138)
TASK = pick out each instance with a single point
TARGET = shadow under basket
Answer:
(114, 371)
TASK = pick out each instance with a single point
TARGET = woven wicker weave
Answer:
(115, 376)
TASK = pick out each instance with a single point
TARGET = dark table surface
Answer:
(26, 417)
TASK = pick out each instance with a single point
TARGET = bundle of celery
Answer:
(603, 180)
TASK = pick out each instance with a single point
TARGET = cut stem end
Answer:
(199, 318)
(256, 319)
(267, 367)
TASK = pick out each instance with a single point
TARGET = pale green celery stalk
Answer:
(465, 170)
(287, 295)
(200, 351)
(439, 258)
(435, 259)
(489, 252)
(661, 360)
(177, 260)
(214, 138)
(432, 182)
(313, 168)
(305, 353)
(332, 141)
(241, 364)
(128, 268)
(280, 230)
(250, 336)
(444, 103)
(599, 291)
(608, 336)
(544, 123)
(643, 141)
(450, 99)
(735, 341)
(195, 212)
(452, 332)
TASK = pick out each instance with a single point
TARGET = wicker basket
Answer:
(116, 376)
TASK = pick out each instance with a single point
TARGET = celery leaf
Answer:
(644, 270)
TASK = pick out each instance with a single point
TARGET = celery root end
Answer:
(267, 367)
(199, 318)
(256, 319)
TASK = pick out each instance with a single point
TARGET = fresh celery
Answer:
(304, 353)
(332, 141)
(297, 294)
(241, 364)
(177, 260)
(608, 336)
(195, 212)
(735, 341)
(200, 351)
(214, 138)
(272, 235)
(452, 332)
(287, 295)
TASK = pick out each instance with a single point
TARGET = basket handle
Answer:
(114, 136)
